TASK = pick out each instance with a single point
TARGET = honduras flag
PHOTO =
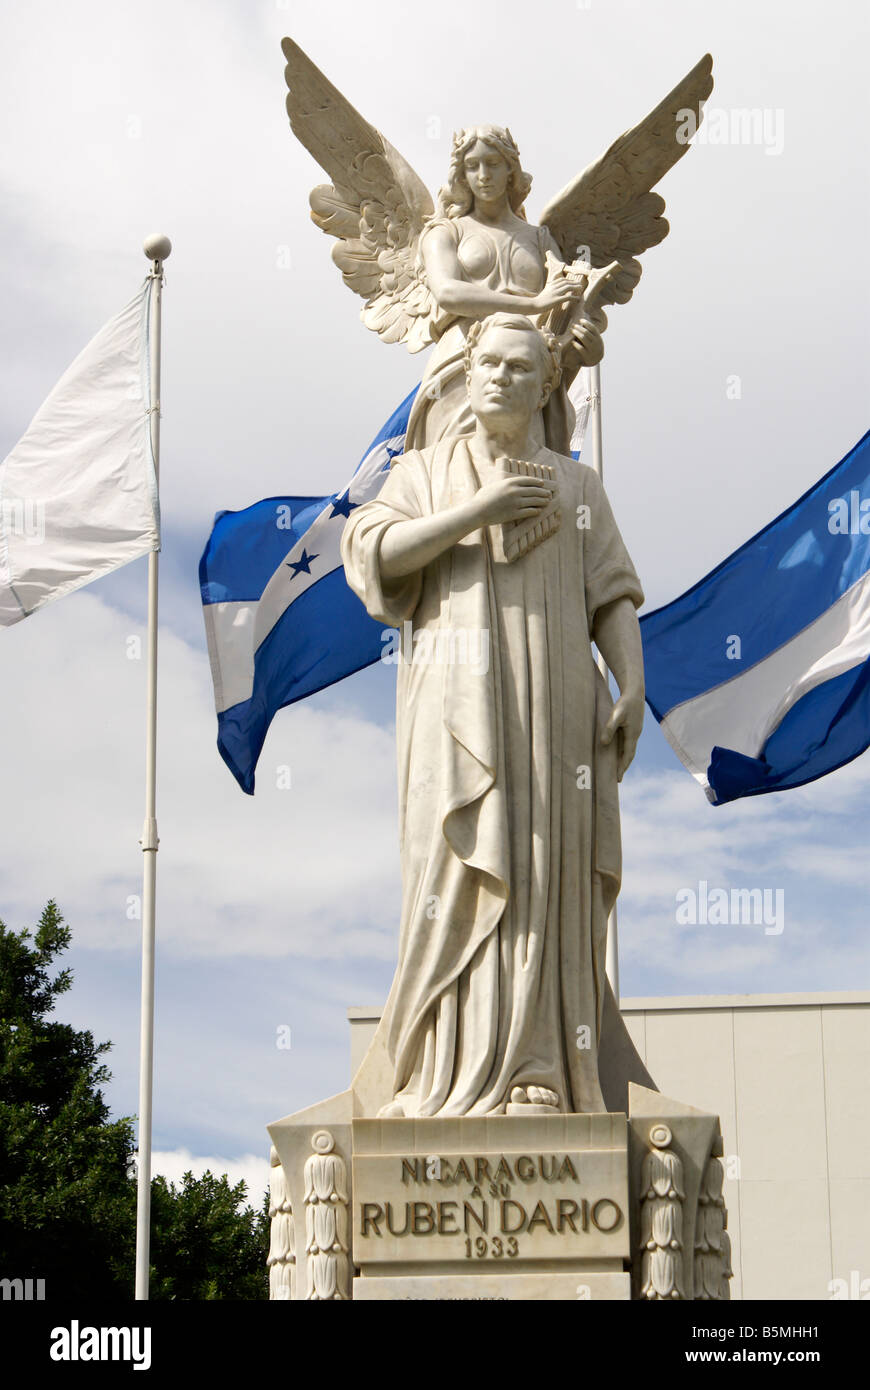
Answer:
(280, 619)
(760, 674)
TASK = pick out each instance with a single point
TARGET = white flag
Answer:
(78, 493)
(580, 396)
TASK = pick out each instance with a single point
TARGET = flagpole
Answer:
(611, 960)
(156, 248)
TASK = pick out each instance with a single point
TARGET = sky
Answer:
(733, 380)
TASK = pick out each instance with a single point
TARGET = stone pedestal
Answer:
(505, 1207)
(531, 1207)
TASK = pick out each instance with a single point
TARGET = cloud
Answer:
(807, 844)
(307, 871)
(172, 1164)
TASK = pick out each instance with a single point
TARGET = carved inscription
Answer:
(470, 1207)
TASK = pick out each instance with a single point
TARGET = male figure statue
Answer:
(508, 772)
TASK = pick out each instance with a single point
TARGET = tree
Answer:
(203, 1244)
(66, 1202)
(67, 1197)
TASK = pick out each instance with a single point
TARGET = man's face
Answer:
(505, 385)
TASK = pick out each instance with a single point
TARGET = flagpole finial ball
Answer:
(157, 247)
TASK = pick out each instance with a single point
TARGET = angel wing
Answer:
(610, 208)
(376, 205)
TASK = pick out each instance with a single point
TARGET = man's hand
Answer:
(587, 342)
(409, 546)
(616, 633)
(511, 499)
(625, 724)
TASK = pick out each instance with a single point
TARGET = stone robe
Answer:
(508, 809)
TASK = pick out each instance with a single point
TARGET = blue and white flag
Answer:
(760, 674)
(280, 619)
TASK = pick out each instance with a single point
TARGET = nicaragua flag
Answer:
(280, 619)
(760, 674)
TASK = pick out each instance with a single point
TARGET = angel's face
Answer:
(486, 172)
(506, 381)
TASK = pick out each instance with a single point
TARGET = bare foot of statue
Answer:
(532, 1100)
(394, 1111)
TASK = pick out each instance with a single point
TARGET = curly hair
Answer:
(548, 344)
(455, 198)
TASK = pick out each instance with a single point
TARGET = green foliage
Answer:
(203, 1246)
(67, 1200)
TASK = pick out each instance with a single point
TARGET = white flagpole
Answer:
(157, 248)
(611, 960)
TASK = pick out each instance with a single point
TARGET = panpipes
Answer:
(511, 539)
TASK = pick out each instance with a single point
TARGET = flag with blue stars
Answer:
(280, 620)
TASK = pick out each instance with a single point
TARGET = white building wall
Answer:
(789, 1077)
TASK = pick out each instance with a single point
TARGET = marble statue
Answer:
(508, 770)
(427, 274)
(487, 533)
(492, 559)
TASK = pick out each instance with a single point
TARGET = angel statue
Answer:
(428, 274)
(486, 527)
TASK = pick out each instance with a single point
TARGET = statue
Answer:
(426, 276)
(508, 770)
(493, 561)
(486, 530)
